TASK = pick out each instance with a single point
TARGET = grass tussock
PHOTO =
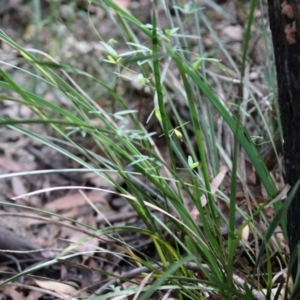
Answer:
(186, 133)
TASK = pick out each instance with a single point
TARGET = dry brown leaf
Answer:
(72, 200)
(279, 237)
(13, 293)
(88, 246)
(55, 286)
(218, 179)
(245, 234)
(18, 186)
(232, 33)
(214, 186)
(34, 295)
(100, 181)
(124, 4)
(72, 213)
(10, 165)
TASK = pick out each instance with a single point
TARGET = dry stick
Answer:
(191, 266)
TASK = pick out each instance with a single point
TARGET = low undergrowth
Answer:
(193, 167)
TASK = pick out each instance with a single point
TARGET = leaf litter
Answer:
(28, 236)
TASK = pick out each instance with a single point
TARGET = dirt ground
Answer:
(65, 32)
